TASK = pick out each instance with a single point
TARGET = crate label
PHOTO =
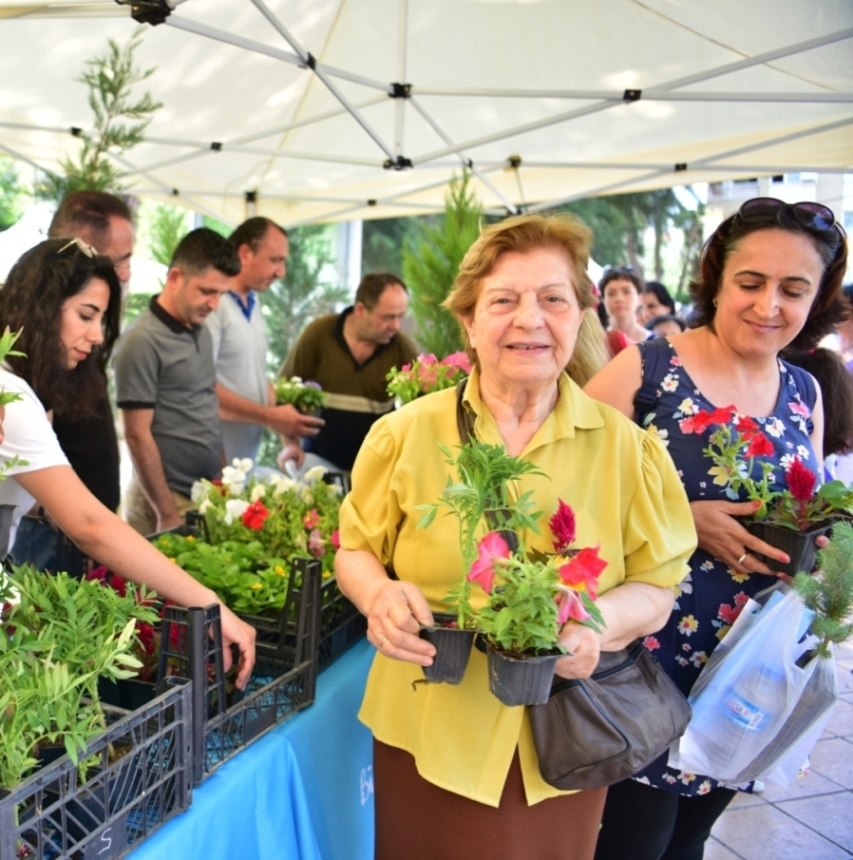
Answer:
(110, 842)
(261, 723)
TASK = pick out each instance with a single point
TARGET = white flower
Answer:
(258, 492)
(315, 474)
(234, 479)
(199, 491)
(234, 509)
(245, 465)
(205, 506)
(282, 485)
(335, 489)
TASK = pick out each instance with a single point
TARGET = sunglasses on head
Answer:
(815, 215)
(81, 246)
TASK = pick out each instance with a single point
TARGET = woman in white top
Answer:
(66, 301)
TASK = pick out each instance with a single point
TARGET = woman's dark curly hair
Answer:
(31, 302)
(831, 245)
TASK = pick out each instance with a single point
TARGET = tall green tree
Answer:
(430, 263)
(167, 226)
(119, 121)
(384, 239)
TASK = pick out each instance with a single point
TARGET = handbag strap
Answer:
(654, 355)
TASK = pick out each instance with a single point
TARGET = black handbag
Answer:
(597, 731)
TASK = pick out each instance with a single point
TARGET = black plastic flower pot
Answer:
(452, 649)
(524, 681)
(799, 546)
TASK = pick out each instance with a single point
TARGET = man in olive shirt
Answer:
(349, 355)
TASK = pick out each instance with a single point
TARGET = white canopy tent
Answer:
(323, 110)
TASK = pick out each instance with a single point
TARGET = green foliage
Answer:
(485, 483)
(384, 239)
(431, 262)
(168, 225)
(11, 194)
(59, 637)
(305, 396)
(829, 594)
(218, 226)
(119, 121)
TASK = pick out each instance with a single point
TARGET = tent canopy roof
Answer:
(546, 100)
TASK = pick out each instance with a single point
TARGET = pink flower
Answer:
(316, 544)
(490, 549)
(458, 360)
(336, 539)
(651, 643)
(562, 526)
(571, 606)
(801, 480)
(582, 571)
(428, 359)
(800, 409)
(741, 599)
(311, 519)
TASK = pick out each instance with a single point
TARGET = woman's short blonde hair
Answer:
(524, 233)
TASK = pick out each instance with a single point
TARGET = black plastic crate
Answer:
(283, 681)
(53, 815)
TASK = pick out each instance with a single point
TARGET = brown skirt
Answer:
(416, 819)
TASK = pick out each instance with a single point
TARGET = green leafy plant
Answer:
(119, 121)
(427, 374)
(829, 593)
(7, 341)
(60, 635)
(305, 396)
(738, 445)
(430, 264)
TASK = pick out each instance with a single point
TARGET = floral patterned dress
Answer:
(712, 594)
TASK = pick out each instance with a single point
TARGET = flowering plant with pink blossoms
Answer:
(427, 374)
(530, 596)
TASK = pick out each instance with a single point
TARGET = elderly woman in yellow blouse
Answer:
(455, 771)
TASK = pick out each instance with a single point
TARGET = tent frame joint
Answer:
(400, 91)
(631, 96)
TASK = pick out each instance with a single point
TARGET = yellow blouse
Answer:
(626, 495)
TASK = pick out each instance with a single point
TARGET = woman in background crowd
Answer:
(657, 302)
(770, 277)
(66, 302)
(622, 296)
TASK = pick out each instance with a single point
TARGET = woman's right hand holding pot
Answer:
(395, 616)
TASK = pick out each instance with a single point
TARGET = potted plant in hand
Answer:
(308, 397)
(427, 374)
(478, 496)
(530, 598)
(792, 512)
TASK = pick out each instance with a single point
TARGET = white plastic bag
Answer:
(756, 713)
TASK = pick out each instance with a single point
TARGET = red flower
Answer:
(746, 425)
(255, 515)
(651, 643)
(563, 527)
(703, 419)
(491, 548)
(311, 519)
(571, 606)
(759, 446)
(336, 539)
(582, 571)
(728, 614)
(801, 480)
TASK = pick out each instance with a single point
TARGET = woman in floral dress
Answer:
(770, 276)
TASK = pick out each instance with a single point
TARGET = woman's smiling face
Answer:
(526, 319)
(769, 283)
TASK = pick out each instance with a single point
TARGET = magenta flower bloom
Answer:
(490, 549)
(316, 544)
(563, 527)
(458, 360)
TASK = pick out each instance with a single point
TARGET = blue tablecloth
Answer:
(302, 792)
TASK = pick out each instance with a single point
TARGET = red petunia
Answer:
(563, 526)
(746, 425)
(255, 515)
(490, 549)
(582, 571)
(311, 519)
(336, 539)
(759, 446)
(801, 480)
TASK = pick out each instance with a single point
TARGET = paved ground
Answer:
(811, 820)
